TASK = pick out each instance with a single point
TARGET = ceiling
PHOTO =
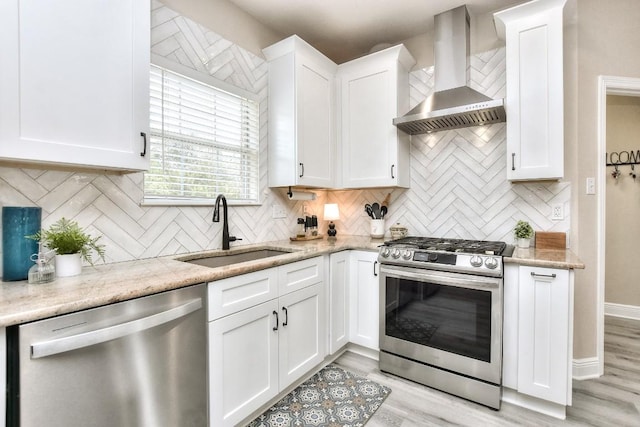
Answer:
(345, 29)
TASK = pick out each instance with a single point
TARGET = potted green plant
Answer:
(523, 233)
(72, 245)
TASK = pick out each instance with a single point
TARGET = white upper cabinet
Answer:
(301, 115)
(75, 83)
(534, 102)
(373, 91)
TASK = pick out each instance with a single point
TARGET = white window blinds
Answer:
(204, 141)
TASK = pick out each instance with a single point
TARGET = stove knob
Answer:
(432, 257)
(406, 254)
(476, 261)
(385, 252)
(491, 262)
(395, 253)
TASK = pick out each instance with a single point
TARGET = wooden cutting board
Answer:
(551, 240)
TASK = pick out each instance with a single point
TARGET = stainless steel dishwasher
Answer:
(138, 363)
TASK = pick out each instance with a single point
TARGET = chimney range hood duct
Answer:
(453, 103)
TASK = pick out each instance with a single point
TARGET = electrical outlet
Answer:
(305, 209)
(557, 212)
(278, 212)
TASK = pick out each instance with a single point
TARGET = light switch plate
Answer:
(591, 186)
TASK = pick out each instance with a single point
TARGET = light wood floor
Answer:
(611, 400)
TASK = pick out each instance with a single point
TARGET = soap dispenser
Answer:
(42, 271)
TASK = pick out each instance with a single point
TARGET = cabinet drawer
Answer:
(301, 274)
(237, 293)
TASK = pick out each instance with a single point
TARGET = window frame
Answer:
(207, 79)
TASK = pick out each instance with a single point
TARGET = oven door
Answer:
(448, 320)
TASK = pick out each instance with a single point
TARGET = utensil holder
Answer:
(18, 222)
(377, 228)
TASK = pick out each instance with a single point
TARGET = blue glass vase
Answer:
(18, 222)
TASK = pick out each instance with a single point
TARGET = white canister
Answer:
(377, 228)
(68, 265)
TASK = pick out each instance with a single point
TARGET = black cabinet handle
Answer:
(144, 148)
(301, 170)
(513, 161)
(275, 328)
(374, 268)
(286, 316)
(392, 166)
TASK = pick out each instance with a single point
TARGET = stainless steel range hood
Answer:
(453, 103)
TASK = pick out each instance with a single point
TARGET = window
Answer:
(203, 142)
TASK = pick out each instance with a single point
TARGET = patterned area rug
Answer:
(331, 398)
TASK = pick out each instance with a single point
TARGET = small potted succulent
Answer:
(523, 233)
(72, 245)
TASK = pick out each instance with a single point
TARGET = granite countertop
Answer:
(21, 302)
(551, 258)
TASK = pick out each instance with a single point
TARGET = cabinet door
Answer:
(368, 135)
(339, 301)
(243, 363)
(373, 91)
(315, 130)
(544, 333)
(302, 333)
(75, 82)
(364, 283)
(534, 102)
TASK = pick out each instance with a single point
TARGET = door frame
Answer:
(607, 85)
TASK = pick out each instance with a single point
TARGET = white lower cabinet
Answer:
(364, 315)
(256, 352)
(338, 301)
(544, 338)
(243, 363)
(538, 337)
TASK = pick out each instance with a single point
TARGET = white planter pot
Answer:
(68, 265)
(524, 243)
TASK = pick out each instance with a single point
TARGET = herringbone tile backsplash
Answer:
(458, 177)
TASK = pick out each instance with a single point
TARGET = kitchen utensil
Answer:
(383, 211)
(376, 210)
(369, 211)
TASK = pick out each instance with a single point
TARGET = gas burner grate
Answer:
(450, 245)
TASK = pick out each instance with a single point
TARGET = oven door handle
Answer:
(442, 278)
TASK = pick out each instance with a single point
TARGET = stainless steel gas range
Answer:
(441, 314)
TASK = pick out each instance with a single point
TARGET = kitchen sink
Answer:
(222, 259)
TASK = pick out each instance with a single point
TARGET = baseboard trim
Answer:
(585, 369)
(363, 351)
(622, 310)
(538, 405)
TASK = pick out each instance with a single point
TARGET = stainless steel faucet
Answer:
(225, 224)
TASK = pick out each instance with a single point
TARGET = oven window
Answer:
(447, 318)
